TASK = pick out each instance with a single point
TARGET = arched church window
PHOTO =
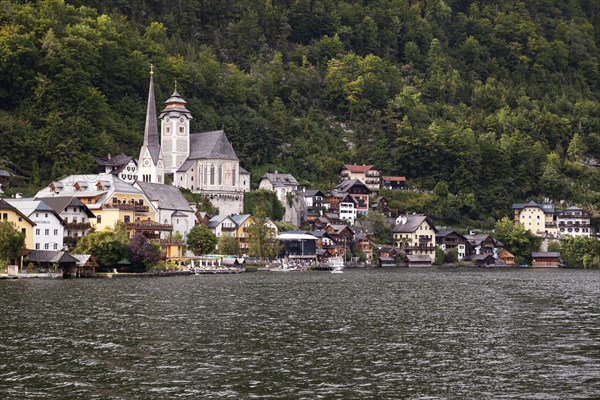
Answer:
(211, 174)
(220, 174)
(233, 177)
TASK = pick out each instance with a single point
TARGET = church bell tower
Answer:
(175, 132)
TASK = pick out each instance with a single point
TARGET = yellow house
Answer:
(243, 222)
(536, 218)
(111, 200)
(415, 235)
(21, 222)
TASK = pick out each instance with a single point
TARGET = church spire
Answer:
(151, 128)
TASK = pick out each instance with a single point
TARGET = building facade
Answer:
(573, 221)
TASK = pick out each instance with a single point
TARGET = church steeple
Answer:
(151, 128)
(150, 167)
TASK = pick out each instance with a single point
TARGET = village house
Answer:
(573, 221)
(359, 192)
(450, 240)
(48, 233)
(313, 198)
(417, 261)
(243, 223)
(22, 223)
(415, 235)
(368, 174)
(546, 259)
(222, 225)
(343, 205)
(172, 207)
(281, 184)
(387, 256)
(482, 243)
(364, 244)
(76, 217)
(122, 166)
(343, 237)
(536, 218)
(380, 204)
(393, 182)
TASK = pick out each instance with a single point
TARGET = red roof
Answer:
(358, 168)
(394, 178)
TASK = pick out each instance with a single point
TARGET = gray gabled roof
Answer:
(4, 173)
(59, 204)
(345, 186)
(546, 207)
(412, 223)
(168, 197)
(211, 145)
(419, 258)
(51, 256)
(550, 254)
(280, 179)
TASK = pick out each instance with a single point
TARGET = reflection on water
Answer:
(432, 334)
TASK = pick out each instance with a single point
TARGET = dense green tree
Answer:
(108, 246)
(266, 201)
(228, 245)
(579, 252)
(12, 243)
(261, 240)
(519, 241)
(201, 240)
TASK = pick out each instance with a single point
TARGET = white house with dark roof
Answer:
(172, 206)
(49, 230)
(573, 221)
(123, 166)
(281, 184)
(77, 217)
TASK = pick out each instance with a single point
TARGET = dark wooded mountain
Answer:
(497, 100)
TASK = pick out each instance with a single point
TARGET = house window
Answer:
(56, 232)
(127, 219)
(46, 246)
(37, 246)
(23, 231)
(20, 219)
(168, 129)
(98, 219)
(46, 232)
(55, 246)
(37, 231)
(4, 216)
(181, 129)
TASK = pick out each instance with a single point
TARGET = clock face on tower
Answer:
(146, 162)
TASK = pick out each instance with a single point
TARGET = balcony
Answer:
(148, 226)
(167, 242)
(227, 228)
(127, 207)
(78, 225)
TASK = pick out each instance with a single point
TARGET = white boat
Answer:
(336, 264)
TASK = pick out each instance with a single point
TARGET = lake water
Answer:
(363, 334)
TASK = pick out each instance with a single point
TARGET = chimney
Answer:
(109, 157)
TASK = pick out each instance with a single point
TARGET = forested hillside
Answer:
(497, 99)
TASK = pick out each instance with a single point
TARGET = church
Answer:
(204, 163)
